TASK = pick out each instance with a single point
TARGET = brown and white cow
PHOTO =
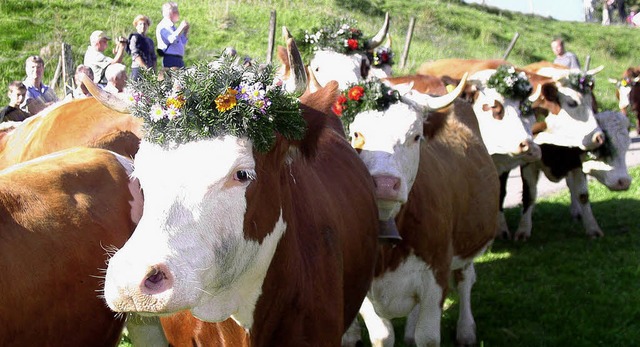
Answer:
(570, 129)
(504, 130)
(81, 122)
(329, 65)
(283, 242)
(438, 180)
(628, 92)
(60, 217)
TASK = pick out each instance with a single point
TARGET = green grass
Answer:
(557, 289)
(443, 29)
(560, 288)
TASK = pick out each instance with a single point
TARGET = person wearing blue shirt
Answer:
(171, 40)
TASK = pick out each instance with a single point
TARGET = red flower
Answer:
(353, 44)
(338, 107)
(356, 92)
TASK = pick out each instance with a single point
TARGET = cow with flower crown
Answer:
(340, 52)
(258, 215)
(434, 176)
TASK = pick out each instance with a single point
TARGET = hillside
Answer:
(443, 29)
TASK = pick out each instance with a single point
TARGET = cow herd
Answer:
(165, 205)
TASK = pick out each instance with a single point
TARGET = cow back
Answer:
(456, 68)
(81, 122)
(57, 227)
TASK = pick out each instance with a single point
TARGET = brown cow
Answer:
(81, 122)
(628, 92)
(60, 216)
(438, 181)
(284, 241)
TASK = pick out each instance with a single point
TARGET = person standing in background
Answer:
(563, 57)
(171, 40)
(94, 56)
(39, 95)
(141, 47)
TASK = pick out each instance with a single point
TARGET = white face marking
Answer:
(193, 223)
(391, 148)
(574, 126)
(612, 170)
(500, 136)
(329, 66)
(624, 92)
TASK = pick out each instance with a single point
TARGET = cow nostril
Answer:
(624, 183)
(524, 146)
(599, 139)
(157, 280)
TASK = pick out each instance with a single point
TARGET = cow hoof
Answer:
(504, 235)
(521, 237)
(594, 234)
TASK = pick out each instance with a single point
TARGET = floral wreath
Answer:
(340, 35)
(361, 97)
(381, 56)
(220, 98)
(580, 82)
(510, 83)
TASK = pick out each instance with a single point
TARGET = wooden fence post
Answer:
(513, 43)
(272, 35)
(407, 43)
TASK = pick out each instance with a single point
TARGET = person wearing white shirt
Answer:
(171, 40)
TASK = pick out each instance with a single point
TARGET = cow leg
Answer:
(145, 331)
(530, 175)
(380, 330)
(580, 205)
(429, 315)
(502, 229)
(410, 327)
(466, 328)
(352, 336)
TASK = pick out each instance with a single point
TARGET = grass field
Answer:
(443, 29)
(559, 288)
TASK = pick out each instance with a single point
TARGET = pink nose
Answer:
(158, 280)
(387, 187)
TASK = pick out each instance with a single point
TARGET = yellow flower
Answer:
(227, 100)
(176, 102)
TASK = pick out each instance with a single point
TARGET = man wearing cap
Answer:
(95, 58)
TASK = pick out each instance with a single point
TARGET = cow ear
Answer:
(316, 111)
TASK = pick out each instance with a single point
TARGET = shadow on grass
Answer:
(560, 288)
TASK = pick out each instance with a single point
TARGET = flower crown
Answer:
(381, 56)
(510, 83)
(216, 99)
(361, 97)
(580, 82)
(340, 35)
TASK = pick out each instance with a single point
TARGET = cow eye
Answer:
(572, 103)
(418, 138)
(244, 175)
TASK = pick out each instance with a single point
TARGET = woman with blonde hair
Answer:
(141, 47)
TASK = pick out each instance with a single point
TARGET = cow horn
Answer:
(107, 99)
(298, 70)
(613, 80)
(595, 71)
(380, 36)
(443, 101)
(314, 85)
(536, 95)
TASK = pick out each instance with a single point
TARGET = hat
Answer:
(97, 35)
